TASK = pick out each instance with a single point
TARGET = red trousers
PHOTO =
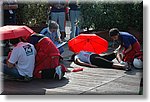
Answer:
(129, 57)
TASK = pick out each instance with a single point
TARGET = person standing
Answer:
(10, 7)
(74, 13)
(57, 10)
(20, 62)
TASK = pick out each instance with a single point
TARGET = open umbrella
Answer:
(88, 42)
(14, 31)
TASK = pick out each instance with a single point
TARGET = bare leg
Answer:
(119, 57)
(109, 56)
(126, 67)
(118, 66)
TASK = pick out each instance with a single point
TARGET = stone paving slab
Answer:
(102, 83)
(99, 81)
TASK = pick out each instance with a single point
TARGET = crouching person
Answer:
(20, 62)
(47, 59)
(128, 42)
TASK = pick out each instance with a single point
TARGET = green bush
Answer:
(96, 15)
(32, 14)
(103, 16)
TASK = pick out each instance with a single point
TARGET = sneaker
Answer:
(123, 63)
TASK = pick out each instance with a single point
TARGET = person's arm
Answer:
(118, 55)
(128, 49)
(119, 48)
(57, 38)
(12, 58)
(79, 62)
(10, 65)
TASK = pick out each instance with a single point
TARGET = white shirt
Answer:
(23, 56)
(84, 56)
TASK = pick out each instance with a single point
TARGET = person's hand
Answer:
(59, 41)
(9, 54)
(124, 52)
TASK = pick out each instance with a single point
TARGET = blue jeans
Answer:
(59, 17)
(11, 71)
(74, 16)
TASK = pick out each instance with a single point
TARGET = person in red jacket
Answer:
(47, 58)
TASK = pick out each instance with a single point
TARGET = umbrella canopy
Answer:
(88, 42)
(11, 32)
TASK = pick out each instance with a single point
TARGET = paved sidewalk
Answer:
(99, 81)
(103, 81)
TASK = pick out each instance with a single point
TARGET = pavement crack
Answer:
(100, 85)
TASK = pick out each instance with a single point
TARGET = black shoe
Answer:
(128, 67)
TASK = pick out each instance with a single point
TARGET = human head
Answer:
(114, 33)
(53, 26)
(14, 41)
(73, 56)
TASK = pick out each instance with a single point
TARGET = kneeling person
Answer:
(47, 58)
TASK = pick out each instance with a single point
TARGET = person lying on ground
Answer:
(20, 62)
(90, 59)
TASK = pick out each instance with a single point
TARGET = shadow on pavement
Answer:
(35, 87)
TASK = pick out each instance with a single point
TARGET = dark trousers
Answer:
(102, 61)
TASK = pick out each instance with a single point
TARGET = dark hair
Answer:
(73, 56)
(14, 41)
(113, 32)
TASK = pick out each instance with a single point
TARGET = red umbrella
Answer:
(10, 32)
(88, 42)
